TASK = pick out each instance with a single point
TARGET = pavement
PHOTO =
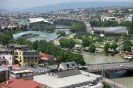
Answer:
(113, 84)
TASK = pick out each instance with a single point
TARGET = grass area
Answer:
(78, 42)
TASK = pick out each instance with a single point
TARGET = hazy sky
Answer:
(22, 4)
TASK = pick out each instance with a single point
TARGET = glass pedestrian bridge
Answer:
(47, 36)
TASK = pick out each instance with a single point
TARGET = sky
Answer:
(24, 4)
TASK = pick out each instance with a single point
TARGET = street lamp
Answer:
(114, 83)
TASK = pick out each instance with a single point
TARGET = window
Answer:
(32, 53)
(1, 76)
(67, 65)
(24, 53)
(10, 58)
(73, 64)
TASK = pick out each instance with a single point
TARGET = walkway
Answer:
(113, 84)
(47, 36)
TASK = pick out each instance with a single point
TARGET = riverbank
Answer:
(113, 84)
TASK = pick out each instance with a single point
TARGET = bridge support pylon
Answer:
(103, 74)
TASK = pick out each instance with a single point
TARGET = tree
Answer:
(61, 33)
(67, 43)
(106, 47)
(127, 42)
(98, 39)
(35, 45)
(127, 45)
(6, 37)
(86, 42)
(92, 48)
(105, 85)
(114, 46)
(77, 27)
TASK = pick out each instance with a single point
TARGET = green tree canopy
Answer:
(106, 47)
(114, 45)
(92, 48)
(86, 42)
(67, 43)
(62, 33)
(127, 45)
(77, 27)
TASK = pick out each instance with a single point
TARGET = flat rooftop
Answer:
(21, 71)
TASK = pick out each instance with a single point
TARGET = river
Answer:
(92, 59)
(124, 80)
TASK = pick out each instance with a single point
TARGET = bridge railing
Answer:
(105, 63)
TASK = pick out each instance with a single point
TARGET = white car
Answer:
(121, 65)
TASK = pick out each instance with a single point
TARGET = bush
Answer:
(105, 85)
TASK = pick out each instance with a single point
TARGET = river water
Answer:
(122, 79)
(92, 59)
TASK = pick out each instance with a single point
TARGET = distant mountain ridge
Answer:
(1, 10)
(72, 5)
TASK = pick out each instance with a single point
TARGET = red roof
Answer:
(131, 53)
(15, 66)
(20, 83)
(45, 56)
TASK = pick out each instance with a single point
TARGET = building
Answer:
(20, 83)
(4, 74)
(69, 79)
(45, 58)
(39, 70)
(111, 11)
(67, 65)
(27, 58)
(21, 73)
(109, 30)
(56, 11)
(129, 17)
(39, 19)
(6, 57)
(104, 18)
(16, 46)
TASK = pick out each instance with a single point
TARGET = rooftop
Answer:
(2, 68)
(118, 29)
(55, 82)
(67, 73)
(52, 66)
(15, 66)
(21, 71)
(20, 83)
(45, 56)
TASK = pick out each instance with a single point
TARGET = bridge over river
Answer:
(117, 66)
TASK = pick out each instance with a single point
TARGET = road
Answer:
(110, 66)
